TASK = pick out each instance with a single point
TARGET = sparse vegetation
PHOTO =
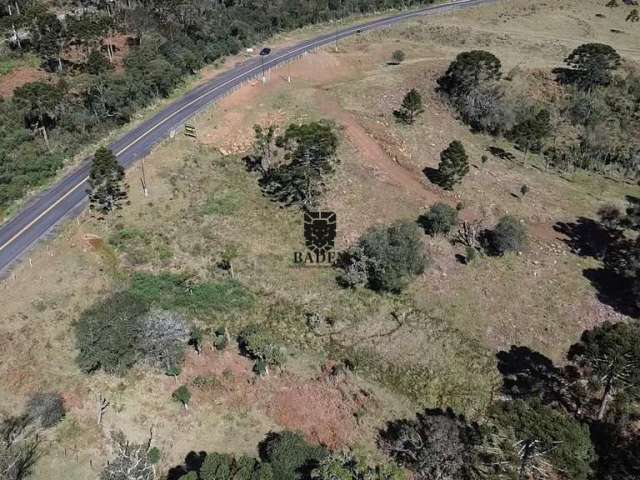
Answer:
(206, 246)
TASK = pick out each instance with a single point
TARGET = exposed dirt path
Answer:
(385, 168)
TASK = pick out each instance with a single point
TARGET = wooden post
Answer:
(144, 180)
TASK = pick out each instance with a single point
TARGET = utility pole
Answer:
(263, 53)
(144, 180)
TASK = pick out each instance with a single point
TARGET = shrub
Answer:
(47, 409)
(290, 456)
(509, 235)
(107, 334)
(389, 255)
(440, 219)
(346, 466)
(182, 395)
(165, 335)
(398, 56)
(257, 343)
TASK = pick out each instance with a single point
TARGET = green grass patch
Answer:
(465, 384)
(121, 237)
(171, 291)
(8, 64)
(223, 203)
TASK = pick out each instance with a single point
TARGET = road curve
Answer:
(68, 197)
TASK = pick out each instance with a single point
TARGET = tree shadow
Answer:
(613, 290)
(192, 463)
(587, 237)
(501, 153)
(565, 76)
(528, 374)
(432, 174)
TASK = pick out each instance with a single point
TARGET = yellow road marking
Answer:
(195, 100)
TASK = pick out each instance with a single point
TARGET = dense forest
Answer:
(90, 93)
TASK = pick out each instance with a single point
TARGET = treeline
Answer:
(573, 422)
(593, 124)
(47, 122)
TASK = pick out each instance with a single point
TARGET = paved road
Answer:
(68, 197)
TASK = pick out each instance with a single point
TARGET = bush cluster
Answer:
(384, 258)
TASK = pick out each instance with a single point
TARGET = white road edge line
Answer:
(197, 99)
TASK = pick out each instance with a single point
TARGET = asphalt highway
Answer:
(68, 197)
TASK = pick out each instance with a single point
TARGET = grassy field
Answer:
(434, 345)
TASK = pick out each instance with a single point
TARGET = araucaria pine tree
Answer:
(454, 164)
(107, 189)
(411, 107)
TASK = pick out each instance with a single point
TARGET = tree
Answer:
(182, 395)
(345, 466)
(108, 333)
(619, 456)
(107, 189)
(263, 146)
(509, 235)
(130, 461)
(530, 133)
(592, 64)
(19, 448)
(41, 103)
(453, 166)
(165, 335)
(470, 70)
(216, 466)
(398, 57)
(97, 63)
(609, 356)
(440, 219)
(289, 455)
(633, 16)
(49, 37)
(484, 108)
(545, 435)
(388, 256)
(411, 107)
(438, 444)
(310, 151)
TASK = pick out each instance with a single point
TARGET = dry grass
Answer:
(432, 345)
